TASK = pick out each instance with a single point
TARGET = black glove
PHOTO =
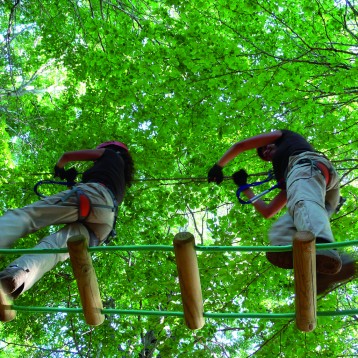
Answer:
(59, 172)
(70, 175)
(216, 174)
(240, 177)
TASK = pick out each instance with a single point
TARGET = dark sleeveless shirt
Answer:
(290, 143)
(108, 170)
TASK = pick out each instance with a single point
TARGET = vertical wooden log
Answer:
(304, 264)
(6, 313)
(189, 280)
(86, 280)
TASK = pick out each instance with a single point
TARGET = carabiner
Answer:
(41, 182)
(270, 175)
(256, 197)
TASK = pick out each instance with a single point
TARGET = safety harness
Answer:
(319, 165)
(84, 203)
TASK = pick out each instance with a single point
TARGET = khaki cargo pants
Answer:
(54, 210)
(310, 203)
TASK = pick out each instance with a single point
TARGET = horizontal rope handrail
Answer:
(171, 248)
(111, 311)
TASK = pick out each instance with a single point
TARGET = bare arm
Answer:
(249, 143)
(80, 155)
(267, 210)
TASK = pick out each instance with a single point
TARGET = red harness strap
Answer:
(84, 205)
(324, 170)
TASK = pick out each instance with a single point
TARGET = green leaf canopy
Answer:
(179, 82)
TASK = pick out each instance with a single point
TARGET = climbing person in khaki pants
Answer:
(309, 188)
(88, 208)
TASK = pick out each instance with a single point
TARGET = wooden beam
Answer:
(86, 280)
(304, 264)
(189, 280)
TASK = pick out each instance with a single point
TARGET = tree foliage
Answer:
(179, 82)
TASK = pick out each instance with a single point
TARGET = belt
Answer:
(320, 166)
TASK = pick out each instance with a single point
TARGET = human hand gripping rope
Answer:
(68, 175)
(240, 179)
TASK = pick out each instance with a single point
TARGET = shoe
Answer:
(328, 262)
(347, 272)
(12, 280)
(281, 259)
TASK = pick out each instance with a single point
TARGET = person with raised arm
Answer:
(309, 188)
(88, 208)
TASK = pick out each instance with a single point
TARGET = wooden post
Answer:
(304, 264)
(189, 280)
(6, 313)
(86, 280)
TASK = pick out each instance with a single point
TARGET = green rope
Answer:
(272, 248)
(171, 248)
(181, 314)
